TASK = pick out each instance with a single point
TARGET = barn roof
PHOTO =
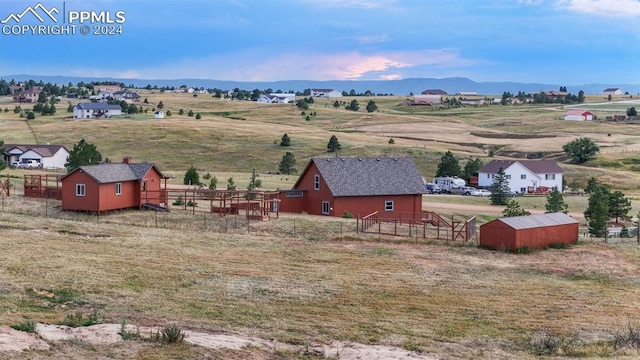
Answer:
(537, 221)
(369, 176)
(535, 166)
(578, 112)
(116, 172)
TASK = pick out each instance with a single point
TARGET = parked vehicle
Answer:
(466, 190)
(480, 192)
(29, 164)
(15, 164)
(433, 188)
(449, 183)
(512, 193)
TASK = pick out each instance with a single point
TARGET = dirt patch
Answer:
(106, 334)
(493, 135)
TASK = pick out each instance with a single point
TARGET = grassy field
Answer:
(322, 281)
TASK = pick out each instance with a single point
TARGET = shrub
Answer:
(77, 319)
(128, 335)
(27, 325)
(391, 141)
(169, 335)
(178, 201)
(347, 215)
(524, 250)
(628, 337)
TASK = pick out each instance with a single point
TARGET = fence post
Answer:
(340, 231)
(294, 227)
(358, 223)
(156, 217)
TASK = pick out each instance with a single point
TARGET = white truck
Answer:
(449, 184)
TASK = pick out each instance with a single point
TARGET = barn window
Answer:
(316, 182)
(81, 190)
(118, 188)
(550, 176)
(294, 194)
(325, 208)
(144, 185)
(523, 176)
(388, 205)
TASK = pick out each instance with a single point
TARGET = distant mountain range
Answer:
(396, 87)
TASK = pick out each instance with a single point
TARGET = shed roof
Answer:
(537, 221)
(578, 112)
(535, 166)
(369, 176)
(117, 172)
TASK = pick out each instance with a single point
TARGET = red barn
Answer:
(532, 231)
(332, 186)
(109, 186)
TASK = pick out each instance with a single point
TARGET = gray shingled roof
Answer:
(535, 166)
(536, 221)
(98, 106)
(43, 150)
(118, 172)
(370, 176)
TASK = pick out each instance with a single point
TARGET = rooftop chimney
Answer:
(126, 159)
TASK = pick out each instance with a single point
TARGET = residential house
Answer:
(49, 156)
(126, 95)
(96, 110)
(110, 89)
(612, 91)
(359, 186)
(434, 92)
(531, 231)
(30, 95)
(283, 98)
(523, 175)
(112, 186)
(327, 93)
(265, 99)
(579, 115)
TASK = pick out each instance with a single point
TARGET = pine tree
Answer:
(514, 209)
(619, 205)
(555, 202)
(83, 153)
(500, 189)
(333, 144)
(231, 185)
(285, 141)
(471, 168)
(448, 166)
(287, 164)
(191, 177)
(597, 212)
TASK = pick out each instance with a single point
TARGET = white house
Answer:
(95, 110)
(264, 99)
(328, 93)
(579, 115)
(50, 156)
(612, 91)
(126, 95)
(158, 115)
(523, 175)
(283, 98)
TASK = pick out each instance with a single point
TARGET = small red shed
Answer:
(110, 186)
(332, 186)
(532, 231)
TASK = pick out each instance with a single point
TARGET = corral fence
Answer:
(426, 225)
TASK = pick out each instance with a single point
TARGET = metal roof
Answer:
(537, 221)
(370, 176)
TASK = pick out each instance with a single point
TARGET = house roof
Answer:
(537, 221)
(322, 90)
(434, 92)
(368, 176)
(35, 90)
(535, 166)
(611, 89)
(116, 172)
(578, 112)
(98, 106)
(42, 150)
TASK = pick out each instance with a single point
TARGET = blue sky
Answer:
(553, 41)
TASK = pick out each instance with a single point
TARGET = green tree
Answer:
(213, 183)
(353, 105)
(83, 153)
(581, 149)
(302, 105)
(287, 164)
(592, 185)
(336, 104)
(449, 165)
(471, 168)
(70, 108)
(254, 182)
(31, 115)
(180, 112)
(191, 177)
(371, 106)
(231, 185)
(632, 111)
(619, 205)
(190, 113)
(286, 140)
(3, 164)
(198, 116)
(513, 208)
(597, 212)
(160, 105)
(580, 96)
(500, 189)
(555, 202)
(333, 144)
(42, 97)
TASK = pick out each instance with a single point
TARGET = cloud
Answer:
(367, 4)
(605, 8)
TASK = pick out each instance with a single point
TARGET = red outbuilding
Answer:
(112, 186)
(359, 186)
(531, 231)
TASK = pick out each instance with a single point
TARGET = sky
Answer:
(553, 41)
